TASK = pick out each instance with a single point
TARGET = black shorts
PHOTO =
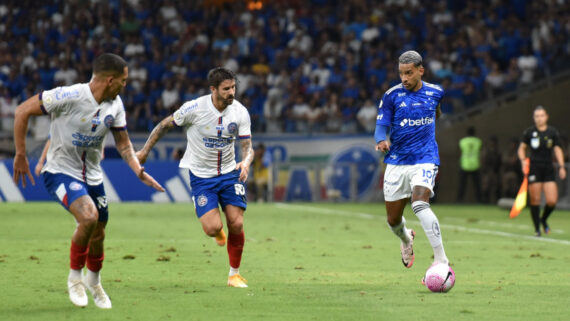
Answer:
(541, 173)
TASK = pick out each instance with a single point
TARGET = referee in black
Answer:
(543, 141)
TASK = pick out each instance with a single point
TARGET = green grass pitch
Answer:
(302, 261)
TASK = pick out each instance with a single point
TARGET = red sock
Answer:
(235, 248)
(95, 263)
(78, 255)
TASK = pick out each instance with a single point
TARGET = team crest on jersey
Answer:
(202, 200)
(232, 128)
(109, 119)
(74, 186)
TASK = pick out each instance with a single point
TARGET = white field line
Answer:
(326, 211)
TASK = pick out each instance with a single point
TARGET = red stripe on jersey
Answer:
(84, 170)
(219, 162)
(219, 126)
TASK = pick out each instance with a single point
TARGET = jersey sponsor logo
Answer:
(416, 104)
(416, 122)
(81, 140)
(217, 142)
(74, 186)
(108, 121)
(202, 201)
(62, 94)
(232, 128)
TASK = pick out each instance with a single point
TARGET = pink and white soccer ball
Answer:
(439, 278)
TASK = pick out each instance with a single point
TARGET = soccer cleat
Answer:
(237, 281)
(101, 298)
(77, 294)
(408, 250)
(220, 238)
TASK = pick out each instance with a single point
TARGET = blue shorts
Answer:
(224, 189)
(66, 189)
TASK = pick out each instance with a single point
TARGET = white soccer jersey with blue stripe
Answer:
(78, 128)
(211, 135)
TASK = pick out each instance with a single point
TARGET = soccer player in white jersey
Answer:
(81, 116)
(408, 112)
(213, 123)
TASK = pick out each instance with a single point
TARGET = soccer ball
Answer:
(439, 278)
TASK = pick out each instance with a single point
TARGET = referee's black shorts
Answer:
(541, 172)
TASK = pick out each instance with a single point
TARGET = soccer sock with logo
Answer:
(401, 231)
(77, 256)
(535, 213)
(546, 213)
(235, 249)
(430, 224)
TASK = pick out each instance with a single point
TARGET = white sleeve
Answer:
(245, 125)
(59, 98)
(120, 120)
(185, 115)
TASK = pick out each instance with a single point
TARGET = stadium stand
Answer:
(303, 66)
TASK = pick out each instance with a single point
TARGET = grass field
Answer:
(303, 262)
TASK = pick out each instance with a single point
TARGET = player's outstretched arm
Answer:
(30, 107)
(159, 130)
(127, 152)
(247, 158)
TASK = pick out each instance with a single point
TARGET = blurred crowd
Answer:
(302, 66)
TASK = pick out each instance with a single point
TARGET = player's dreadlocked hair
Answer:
(217, 75)
(410, 57)
(109, 63)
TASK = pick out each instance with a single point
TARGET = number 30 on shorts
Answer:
(240, 190)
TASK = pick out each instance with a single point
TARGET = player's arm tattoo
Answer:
(159, 130)
(124, 146)
(246, 151)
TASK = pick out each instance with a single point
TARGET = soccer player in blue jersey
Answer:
(407, 113)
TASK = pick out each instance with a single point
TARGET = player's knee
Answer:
(212, 229)
(236, 226)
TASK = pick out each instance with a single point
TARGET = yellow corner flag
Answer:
(520, 200)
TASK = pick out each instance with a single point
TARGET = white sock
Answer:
(233, 271)
(92, 278)
(401, 231)
(74, 275)
(430, 225)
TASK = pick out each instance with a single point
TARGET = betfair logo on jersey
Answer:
(416, 122)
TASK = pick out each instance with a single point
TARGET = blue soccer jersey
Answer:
(411, 116)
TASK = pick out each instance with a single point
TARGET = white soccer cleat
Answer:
(408, 250)
(77, 293)
(101, 298)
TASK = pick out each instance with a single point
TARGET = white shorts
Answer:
(399, 180)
